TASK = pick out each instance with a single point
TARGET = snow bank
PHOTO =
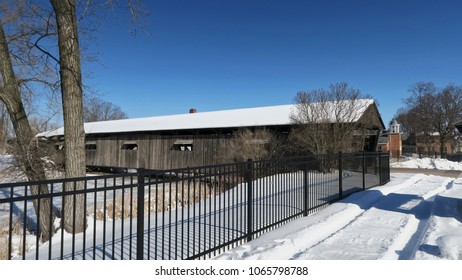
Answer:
(450, 246)
(448, 206)
(445, 226)
(449, 203)
(428, 163)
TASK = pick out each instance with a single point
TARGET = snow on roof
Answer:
(249, 117)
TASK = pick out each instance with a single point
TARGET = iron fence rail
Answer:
(186, 213)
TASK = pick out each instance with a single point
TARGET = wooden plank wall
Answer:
(155, 151)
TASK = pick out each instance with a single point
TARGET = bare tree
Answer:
(72, 96)
(257, 144)
(72, 101)
(407, 120)
(10, 95)
(432, 110)
(4, 128)
(420, 107)
(448, 113)
(328, 121)
(96, 109)
(28, 57)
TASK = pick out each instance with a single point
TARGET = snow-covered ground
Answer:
(427, 163)
(415, 216)
(219, 218)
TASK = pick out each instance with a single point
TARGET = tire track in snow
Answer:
(323, 225)
(444, 225)
(383, 230)
(406, 246)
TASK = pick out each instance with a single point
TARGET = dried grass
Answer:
(160, 200)
(16, 230)
(3, 245)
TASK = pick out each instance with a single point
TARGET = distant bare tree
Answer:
(407, 120)
(96, 109)
(432, 110)
(258, 144)
(328, 120)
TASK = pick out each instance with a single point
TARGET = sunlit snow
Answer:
(427, 163)
(415, 216)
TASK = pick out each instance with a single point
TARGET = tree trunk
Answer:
(71, 90)
(442, 146)
(27, 152)
(3, 130)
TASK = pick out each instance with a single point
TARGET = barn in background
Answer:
(194, 139)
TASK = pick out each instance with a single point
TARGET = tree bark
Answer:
(28, 153)
(71, 90)
(442, 146)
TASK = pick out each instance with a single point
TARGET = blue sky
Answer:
(214, 55)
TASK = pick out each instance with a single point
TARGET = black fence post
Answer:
(249, 200)
(388, 168)
(140, 215)
(340, 172)
(305, 190)
(380, 168)
(364, 170)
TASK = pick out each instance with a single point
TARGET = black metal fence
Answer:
(186, 213)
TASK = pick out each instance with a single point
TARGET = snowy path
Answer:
(390, 222)
(383, 230)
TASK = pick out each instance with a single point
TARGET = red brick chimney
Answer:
(192, 111)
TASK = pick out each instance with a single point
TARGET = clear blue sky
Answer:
(214, 55)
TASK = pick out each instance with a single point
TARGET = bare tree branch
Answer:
(431, 110)
(329, 121)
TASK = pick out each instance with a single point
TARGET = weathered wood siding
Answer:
(372, 119)
(155, 151)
